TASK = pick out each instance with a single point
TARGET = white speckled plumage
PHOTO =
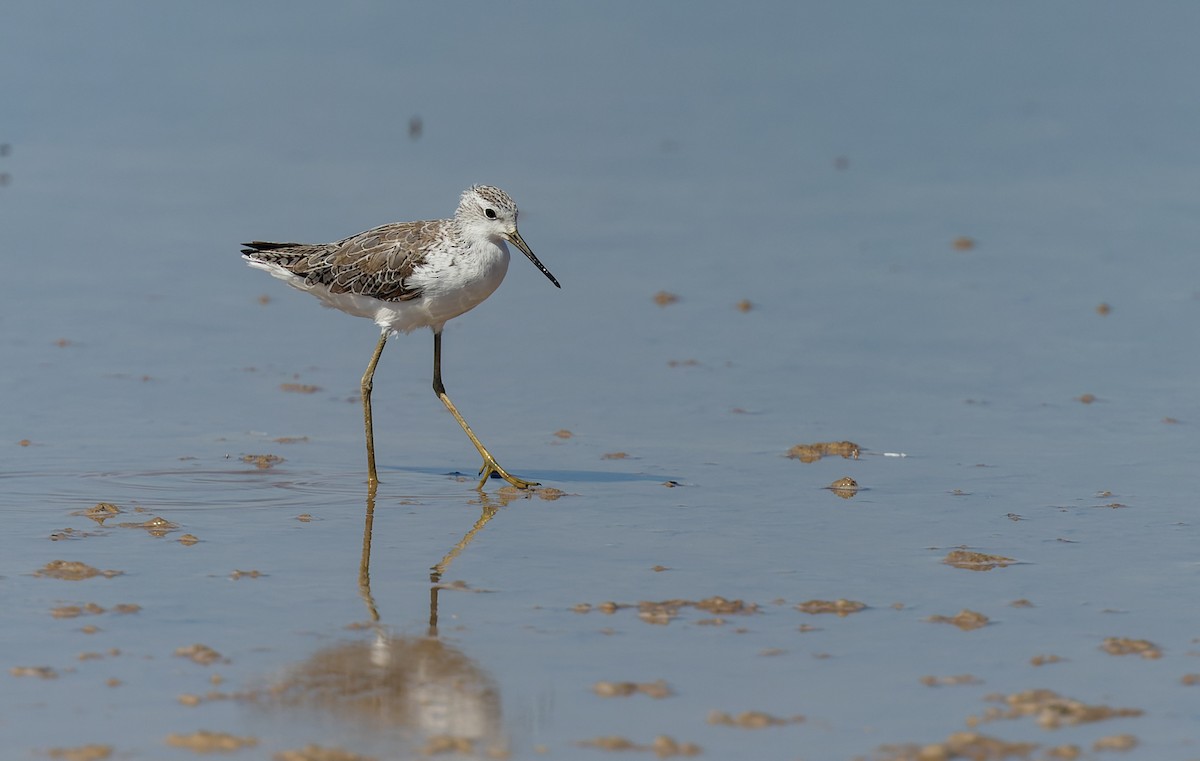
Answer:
(409, 275)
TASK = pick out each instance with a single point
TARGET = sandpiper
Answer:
(409, 275)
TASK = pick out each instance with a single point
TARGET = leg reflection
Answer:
(435, 575)
(364, 563)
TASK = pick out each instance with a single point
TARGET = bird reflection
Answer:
(437, 697)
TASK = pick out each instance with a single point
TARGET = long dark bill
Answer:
(519, 242)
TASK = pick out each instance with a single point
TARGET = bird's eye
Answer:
(489, 213)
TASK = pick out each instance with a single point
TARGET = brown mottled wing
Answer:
(374, 263)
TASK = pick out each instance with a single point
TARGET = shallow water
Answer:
(820, 163)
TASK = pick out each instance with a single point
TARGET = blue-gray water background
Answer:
(816, 159)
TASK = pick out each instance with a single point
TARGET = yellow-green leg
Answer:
(490, 465)
(368, 376)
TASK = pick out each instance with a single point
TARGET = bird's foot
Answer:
(490, 466)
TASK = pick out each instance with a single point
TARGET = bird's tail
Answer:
(257, 246)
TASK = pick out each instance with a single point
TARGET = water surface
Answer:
(963, 235)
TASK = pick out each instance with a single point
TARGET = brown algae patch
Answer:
(750, 719)
(611, 743)
(950, 681)
(211, 742)
(656, 690)
(507, 494)
(814, 452)
(92, 609)
(1116, 742)
(663, 746)
(82, 753)
(41, 672)
(318, 753)
(965, 620)
(75, 611)
(969, 745)
(100, 512)
(154, 526)
(976, 561)
(1044, 660)
(658, 613)
(663, 298)
(72, 570)
(192, 700)
(1126, 646)
(1050, 710)
(262, 461)
(663, 612)
(202, 654)
(722, 606)
(841, 607)
(845, 487)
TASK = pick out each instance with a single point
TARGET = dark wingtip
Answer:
(256, 246)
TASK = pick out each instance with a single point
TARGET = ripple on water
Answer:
(239, 487)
